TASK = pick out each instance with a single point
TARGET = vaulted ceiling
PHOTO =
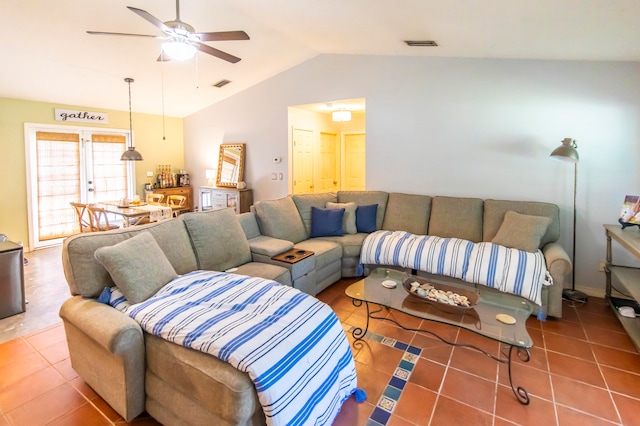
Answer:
(48, 56)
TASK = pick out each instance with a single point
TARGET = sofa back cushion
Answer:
(280, 219)
(407, 212)
(249, 225)
(87, 277)
(218, 239)
(494, 211)
(363, 198)
(456, 217)
(304, 202)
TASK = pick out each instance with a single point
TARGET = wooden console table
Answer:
(627, 277)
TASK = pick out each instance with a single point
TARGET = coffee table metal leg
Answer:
(358, 333)
(519, 392)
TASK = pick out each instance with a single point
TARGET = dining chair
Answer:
(177, 200)
(99, 219)
(84, 221)
(155, 198)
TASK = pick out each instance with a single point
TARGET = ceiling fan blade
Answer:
(149, 17)
(218, 53)
(223, 36)
(122, 34)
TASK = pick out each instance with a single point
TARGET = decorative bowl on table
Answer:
(442, 296)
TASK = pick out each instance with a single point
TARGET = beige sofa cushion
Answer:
(407, 212)
(218, 239)
(456, 217)
(137, 266)
(280, 219)
(521, 231)
(349, 217)
(494, 211)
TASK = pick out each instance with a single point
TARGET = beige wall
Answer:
(14, 113)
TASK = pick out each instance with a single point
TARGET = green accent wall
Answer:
(14, 113)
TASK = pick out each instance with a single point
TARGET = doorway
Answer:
(65, 164)
(327, 155)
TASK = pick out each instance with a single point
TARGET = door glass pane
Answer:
(109, 172)
(58, 183)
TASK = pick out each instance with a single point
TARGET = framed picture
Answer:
(630, 214)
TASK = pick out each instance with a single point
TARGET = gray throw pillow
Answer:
(521, 231)
(349, 218)
(137, 266)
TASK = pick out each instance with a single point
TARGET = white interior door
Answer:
(327, 163)
(302, 161)
(354, 162)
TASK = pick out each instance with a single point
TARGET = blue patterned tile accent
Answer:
(391, 396)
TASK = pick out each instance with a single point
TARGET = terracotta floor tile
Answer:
(85, 415)
(474, 362)
(576, 369)
(385, 358)
(583, 397)
(607, 322)
(444, 331)
(470, 390)
(372, 381)
(3, 420)
(405, 320)
(537, 358)
(399, 421)
(450, 412)
(570, 417)
(416, 404)
(105, 409)
(538, 412)
(564, 328)
(616, 358)
(608, 338)
(428, 374)
(536, 337)
(569, 314)
(31, 387)
(14, 349)
(466, 337)
(629, 409)
(21, 367)
(50, 405)
(83, 388)
(55, 352)
(47, 337)
(433, 349)
(388, 329)
(622, 381)
(535, 382)
(568, 346)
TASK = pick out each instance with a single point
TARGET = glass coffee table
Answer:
(479, 318)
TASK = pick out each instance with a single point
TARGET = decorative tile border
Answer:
(389, 399)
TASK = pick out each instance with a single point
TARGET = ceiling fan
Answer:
(182, 41)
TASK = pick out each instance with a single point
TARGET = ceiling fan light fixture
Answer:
(179, 49)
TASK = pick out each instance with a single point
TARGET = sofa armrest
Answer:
(559, 266)
(269, 246)
(110, 328)
(107, 350)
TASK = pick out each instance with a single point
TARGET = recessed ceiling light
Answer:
(221, 83)
(422, 43)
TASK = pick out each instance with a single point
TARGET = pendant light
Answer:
(130, 154)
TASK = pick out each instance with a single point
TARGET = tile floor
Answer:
(583, 370)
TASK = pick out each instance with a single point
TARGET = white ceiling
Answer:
(48, 56)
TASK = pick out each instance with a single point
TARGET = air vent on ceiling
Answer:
(422, 43)
(222, 83)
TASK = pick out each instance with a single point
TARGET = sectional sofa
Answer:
(134, 371)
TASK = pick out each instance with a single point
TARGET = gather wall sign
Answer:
(81, 116)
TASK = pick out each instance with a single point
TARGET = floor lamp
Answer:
(568, 152)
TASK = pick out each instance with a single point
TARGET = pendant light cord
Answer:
(129, 80)
(162, 91)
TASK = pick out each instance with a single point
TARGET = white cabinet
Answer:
(214, 198)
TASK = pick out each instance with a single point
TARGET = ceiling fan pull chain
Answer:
(197, 76)
(162, 92)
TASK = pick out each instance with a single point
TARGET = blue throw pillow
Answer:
(366, 218)
(326, 222)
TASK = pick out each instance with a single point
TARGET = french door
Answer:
(66, 164)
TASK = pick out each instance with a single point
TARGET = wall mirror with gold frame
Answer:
(231, 164)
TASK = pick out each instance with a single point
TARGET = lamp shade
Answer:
(178, 49)
(131, 155)
(567, 151)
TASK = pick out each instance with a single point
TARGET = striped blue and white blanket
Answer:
(292, 345)
(506, 269)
